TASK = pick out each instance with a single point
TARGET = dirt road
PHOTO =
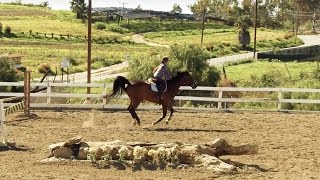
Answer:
(288, 143)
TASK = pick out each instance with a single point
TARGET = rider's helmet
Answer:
(165, 59)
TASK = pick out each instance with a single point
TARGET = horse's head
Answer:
(186, 79)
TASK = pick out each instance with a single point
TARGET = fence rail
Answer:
(219, 99)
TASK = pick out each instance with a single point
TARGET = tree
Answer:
(201, 8)
(191, 58)
(138, 8)
(44, 4)
(243, 35)
(80, 8)
(8, 73)
(176, 9)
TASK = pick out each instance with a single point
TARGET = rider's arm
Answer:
(166, 73)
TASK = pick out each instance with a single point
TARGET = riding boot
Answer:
(159, 92)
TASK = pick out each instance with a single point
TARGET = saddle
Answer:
(153, 85)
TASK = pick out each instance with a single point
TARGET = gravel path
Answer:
(138, 38)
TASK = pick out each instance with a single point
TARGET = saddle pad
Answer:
(153, 87)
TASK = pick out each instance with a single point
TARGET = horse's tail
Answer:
(119, 85)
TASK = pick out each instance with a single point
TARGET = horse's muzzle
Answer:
(194, 85)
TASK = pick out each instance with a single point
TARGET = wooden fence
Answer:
(216, 98)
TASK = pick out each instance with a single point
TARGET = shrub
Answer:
(73, 62)
(100, 25)
(44, 68)
(194, 59)
(118, 29)
(7, 30)
(234, 49)
(8, 73)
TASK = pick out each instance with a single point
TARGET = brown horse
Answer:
(139, 91)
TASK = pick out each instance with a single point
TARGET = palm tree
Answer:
(243, 36)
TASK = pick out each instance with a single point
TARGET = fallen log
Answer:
(206, 155)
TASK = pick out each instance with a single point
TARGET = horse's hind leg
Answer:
(170, 115)
(132, 107)
(164, 113)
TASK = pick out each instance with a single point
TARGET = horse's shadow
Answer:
(186, 129)
(19, 119)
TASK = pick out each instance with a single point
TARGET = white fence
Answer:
(268, 95)
(2, 124)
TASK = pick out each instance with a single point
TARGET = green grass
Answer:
(241, 72)
(34, 52)
(42, 20)
(269, 38)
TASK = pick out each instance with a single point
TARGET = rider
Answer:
(161, 74)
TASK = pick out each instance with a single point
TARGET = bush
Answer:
(44, 68)
(7, 30)
(8, 73)
(73, 62)
(100, 25)
(118, 29)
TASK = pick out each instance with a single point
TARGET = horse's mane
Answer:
(178, 76)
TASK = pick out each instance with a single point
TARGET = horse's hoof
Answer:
(167, 122)
(154, 123)
(134, 123)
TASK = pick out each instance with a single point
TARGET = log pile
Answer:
(173, 153)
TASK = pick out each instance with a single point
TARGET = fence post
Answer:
(2, 120)
(219, 101)
(279, 100)
(26, 91)
(104, 100)
(48, 92)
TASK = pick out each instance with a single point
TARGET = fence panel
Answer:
(278, 99)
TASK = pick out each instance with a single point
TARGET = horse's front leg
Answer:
(170, 115)
(164, 113)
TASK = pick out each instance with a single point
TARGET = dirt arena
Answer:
(288, 143)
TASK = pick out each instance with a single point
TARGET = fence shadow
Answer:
(187, 129)
(13, 147)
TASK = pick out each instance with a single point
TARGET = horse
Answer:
(139, 91)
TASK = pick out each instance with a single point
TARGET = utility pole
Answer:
(89, 46)
(202, 24)
(123, 6)
(296, 23)
(282, 14)
(255, 30)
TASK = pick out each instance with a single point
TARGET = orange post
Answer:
(26, 91)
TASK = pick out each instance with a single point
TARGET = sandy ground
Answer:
(288, 143)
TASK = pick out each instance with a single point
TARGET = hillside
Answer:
(42, 35)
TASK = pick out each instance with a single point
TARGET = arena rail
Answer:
(219, 100)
